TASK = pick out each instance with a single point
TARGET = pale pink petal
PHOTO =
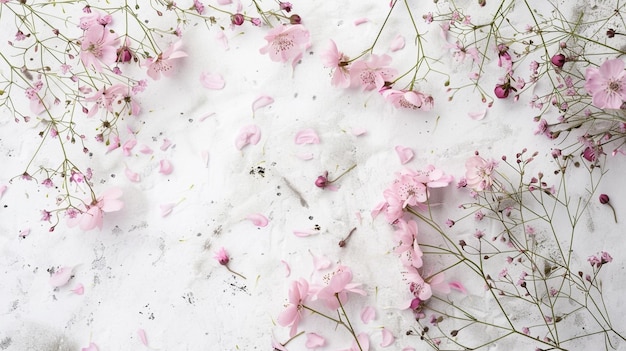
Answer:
(360, 21)
(287, 268)
(397, 43)
(61, 276)
(314, 340)
(114, 143)
(79, 289)
(132, 176)
(212, 81)
(358, 216)
(368, 314)
(359, 131)
(388, 338)
(405, 154)
(378, 209)
(307, 136)
(332, 187)
(165, 167)
(201, 119)
(408, 349)
(166, 144)
(24, 233)
(458, 287)
(306, 156)
(3, 188)
(320, 262)
(248, 135)
(128, 146)
(91, 347)
(166, 209)
(146, 150)
(478, 115)
(260, 102)
(142, 336)
(224, 2)
(221, 38)
(304, 233)
(205, 158)
(258, 219)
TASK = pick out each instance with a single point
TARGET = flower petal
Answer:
(458, 287)
(306, 156)
(142, 336)
(258, 219)
(405, 154)
(166, 209)
(91, 347)
(146, 150)
(261, 101)
(307, 136)
(165, 167)
(287, 268)
(166, 144)
(388, 338)
(212, 81)
(3, 188)
(320, 262)
(61, 276)
(368, 314)
(304, 233)
(358, 131)
(79, 289)
(248, 135)
(360, 21)
(24, 233)
(314, 340)
(397, 43)
(132, 176)
(477, 115)
(128, 146)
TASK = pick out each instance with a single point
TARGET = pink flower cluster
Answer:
(373, 74)
(411, 189)
(478, 174)
(91, 215)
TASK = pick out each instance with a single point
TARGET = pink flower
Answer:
(420, 288)
(222, 256)
(408, 99)
(478, 173)
(333, 58)
(372, 74)
(98, 45)
(459, 52)
(164, 61)
(105, 98)
(92, 215)
(607, 84)
(406, 235)
(286, 43)
(291, 316)
(339, 285)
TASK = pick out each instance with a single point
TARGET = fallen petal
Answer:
(258, 219)
(166, 144)
(212, 81)
(360, 21)
(132, 176)
(477, 116)
(306, 156)
(378, 209)
(304, 233)
(458, 287)
(248, 135)
(61, 276)
(287, 268)
(221, 38)
(24, 233)
(128, 146)
(388, 338)
(165, 167)
(260, 102)
(307, 136)
(91, 347)
(3, 188)
(320, 262)
(142, 336)
(314, 340)
(146, 150)
(166, 209)
(79, 289)
(405, 154)
(397, 43)
(359, 131)
(368, 314)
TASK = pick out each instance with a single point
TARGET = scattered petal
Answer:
(320, 262)
(248, 135)
(205, 158)
(142, 336)
(458, 287)
(166, 144)
(359, 131)
(224, 2)
(307, 136)
(304, 233)
(359, 216)
(3, 188)
(397, 43)
(306, 156)
(368, 314)
(132, 176)
(91, 347)
(258, 219)
(221, 38)
(79, 289)
(165, 167)
(408, 349)
(128, 146)
(113, 144)
(287, 268)
(260, 102)
(166, 209)
(314, 340)
(378, 209)
(405, 154)
(212, 81)
(61, 276)
(360, 21)
(388, 338)
(478, 115)
(146, 150)
(24, 233)
(201, 119)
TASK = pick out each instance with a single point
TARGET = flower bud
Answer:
(501, 91)
(237, 19)
(558, 60)
(295, 19)
(321, 181)
(604, 199)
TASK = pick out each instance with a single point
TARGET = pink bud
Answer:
(237, 19)
(295, 19)
(501, 91)
(558, 60)
(604, 199)
(321, 181)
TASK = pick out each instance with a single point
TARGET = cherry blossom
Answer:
(298, 295)
(372, 74)
(98, 46)
(478, 173)
(339, 285)
(91, 215)
(409, 99)
(333, 58)
(286, 43)
(607, 84)
(164, 63)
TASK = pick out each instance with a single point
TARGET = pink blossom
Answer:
(298, 295)
(105, 98)
(478, 173)
(408, 99)
(164, 63)
(372, 74)
(286, 43)
(607, 84)
(98, 46)
(222, 256)
(339, 285)
(420, 288)
(92, 215)
(460, 52)
(333, 58)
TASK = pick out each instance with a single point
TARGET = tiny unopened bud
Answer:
(237, 19)
(558, 60)
(295, 19)
(321, 182)
(604, 199)
(610, 33)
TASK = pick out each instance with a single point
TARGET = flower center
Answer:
(614, 86)
(283, 43)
